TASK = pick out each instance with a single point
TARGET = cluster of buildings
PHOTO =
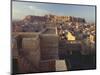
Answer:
(52, 43)
(76, 26)
(31, 23)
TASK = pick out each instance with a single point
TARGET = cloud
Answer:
(38, 11)
(31, 7)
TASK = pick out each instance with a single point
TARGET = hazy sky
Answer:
(21, 9)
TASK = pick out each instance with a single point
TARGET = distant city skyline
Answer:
(22, 9)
